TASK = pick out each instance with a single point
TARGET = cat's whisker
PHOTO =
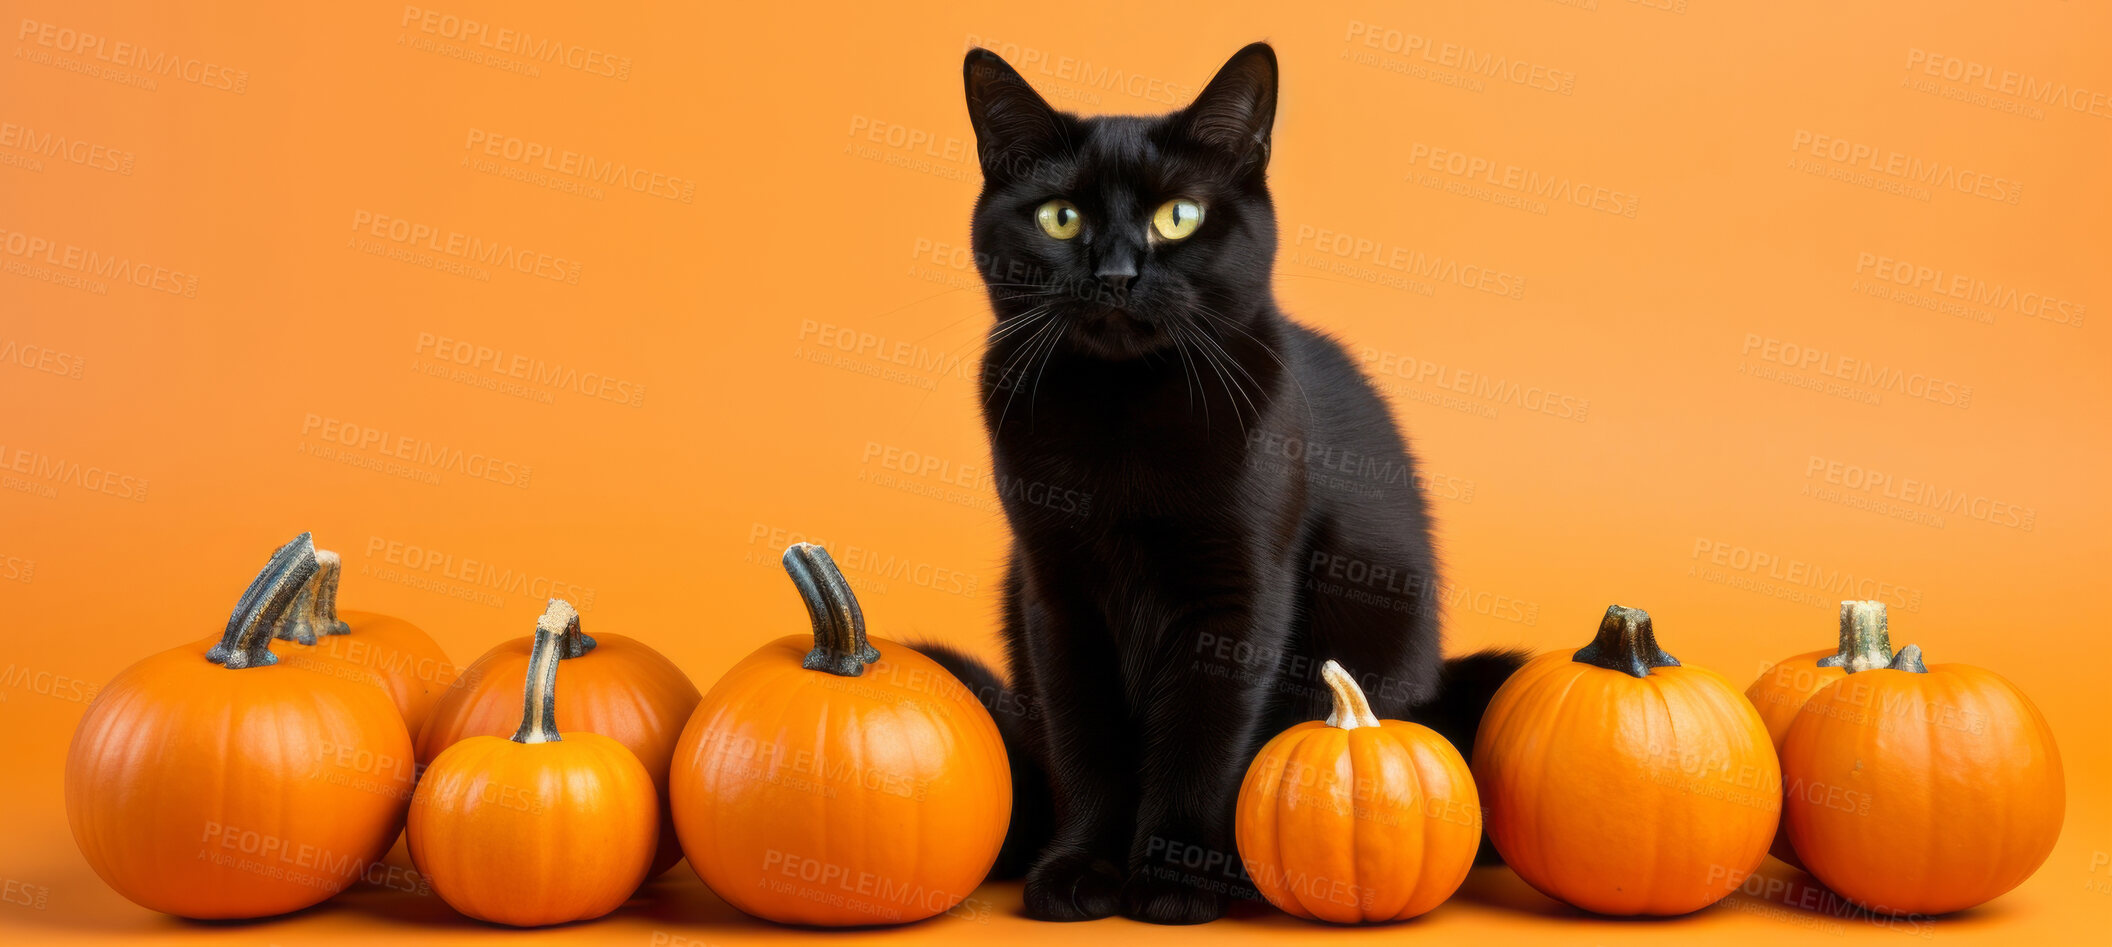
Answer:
(1032, 346)
(1180, 347)
(1048, 353)
(1017, 324)
(1234, 325)
(1004, 372)
(1229, 383)
(1235, 363)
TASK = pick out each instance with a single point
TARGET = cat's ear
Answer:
(1014, 127)
(1237, 109)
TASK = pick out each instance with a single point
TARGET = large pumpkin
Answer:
(1783, 689)
(1622, 782)
(838, 780)
(1357, 819)
(540, 828)
(229, 784)
(1919, 789)
(615, 686)
(403, 660)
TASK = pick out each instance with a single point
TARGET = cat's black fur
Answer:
(1207, 501)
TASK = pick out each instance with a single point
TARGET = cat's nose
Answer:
(1116, 270)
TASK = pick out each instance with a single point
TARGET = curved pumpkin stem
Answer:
(1352, 710)
(574, 642)
(247, 641)
(559, 623)
(840, 646)
(1909, 660)
(314, 611)
(1865, 643)
(1625, 644)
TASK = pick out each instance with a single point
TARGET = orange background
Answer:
(1636, 423)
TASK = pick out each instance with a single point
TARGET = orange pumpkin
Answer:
(838, 780)
(395, 654)
(615, 686)
(541, 828)
(1357, 819)
(1622, 782)
(1920, 789)
(228, 784)
(1783, 689)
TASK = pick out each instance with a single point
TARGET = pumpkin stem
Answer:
(247, 640)
(1909, 660)
(1865, 644)
(314, 610)
(574, 642)
(1351, 709)
(1625, 644)
(840, 646)
(559, 623)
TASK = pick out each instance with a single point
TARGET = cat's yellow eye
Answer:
(1177, 219)
(1058, 219)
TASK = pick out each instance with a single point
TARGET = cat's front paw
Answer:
(1166, 895)
(1072, 887)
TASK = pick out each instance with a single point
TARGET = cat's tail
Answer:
(1033, 812)
(1464, 687)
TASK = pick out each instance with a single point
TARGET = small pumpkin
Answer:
(404, 660)
(1783, 689)
(840, 780)
(1623, 782)
(616, 686)
(1357, 819)
(225, 783)
(1922, 789)
(542, 827)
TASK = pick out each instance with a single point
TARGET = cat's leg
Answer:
(1207, 699)
(1086, 748)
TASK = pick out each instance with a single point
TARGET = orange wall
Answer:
(1738, 320)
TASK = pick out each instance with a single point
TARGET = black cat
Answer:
(1236, 506)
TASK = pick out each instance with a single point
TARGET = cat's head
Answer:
(1126, 232)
